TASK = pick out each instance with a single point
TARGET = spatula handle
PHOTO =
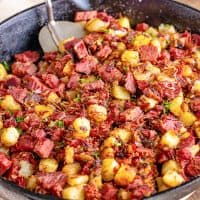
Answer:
(50, 10)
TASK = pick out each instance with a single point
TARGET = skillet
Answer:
(20, 33)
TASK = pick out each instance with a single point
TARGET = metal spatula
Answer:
(56, 31)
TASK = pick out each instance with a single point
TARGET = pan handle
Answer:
(51, 23)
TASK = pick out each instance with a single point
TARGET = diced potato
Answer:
(186, 71)
(31, 183)
(141, 40)
(156, 43)
(173, 178)
(73, 193)
(96, 25)
(120, 92)
(69, 155)
(53, 98)
(130, 56)
(118, 33)
(170, 139)
(8, 103)
(152, 32)
(44, 111)
(170, 165)
(82, 127)
(96, 180)
(124, 22)
(77, 180)
(123, 194)
(121, 46)
(188, 118)
(175, 105)
(197, 131)
(196, 86)
(141, 76)
(97, 112)
(1, 123)
(4, 150)
(3, 73)
(122, 134)
(164, 77)
(88, 79)
(109, 168)
(48, 165)
(161, 185)
(9, 136)
(61, 46)
(107, 153)
(25, 168)
(68, 68)
(153, 69)
(150, 103)
(125, 175)
(194, 149)
(71, 169)
(109, 142)
(166, 28)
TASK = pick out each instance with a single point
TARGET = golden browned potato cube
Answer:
(170, 139)
(96, 25)
(173, 178)
(123, 194)
(161, 185)
(48, 165)
(71, 169)
(31, 183)
(130, 56)
(109, 168)
(175, 105)
(125, 175)
(9, 136)
(73, 193)
(169, 166)
(82, 127)
(97, 112)
(77, 179)
(8, 103)
(141, 40)
(3, 73)
(69, 155)
(122, 134)
(44, 111)
(120, 92)
(188, 118)
(53, 98)
(96, 180)
(124, 22)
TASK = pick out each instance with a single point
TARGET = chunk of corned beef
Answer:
(148, 53)
(104, 16)
(73, 81)
(109, 192)
(44, 147)
(168, 122)
(176, 53)
(131, 114)
(196, 39)
(85, 15)
(86, 65)
(92, 192)
(53, 182)
(27, 57)
(60, 89)
(21, 69)
(49, 56)
(25, 143)
(34, 84)
(12, 81)
(104, 52)
(130, 83)
(51, 80)
(187, 142)
(170, 89)
(95, 85)
(141, 27)
(193, 168)
(38, 134)
(32, 120)
(5, 163)
(80, 49)
(91, 41)
(19, 94)
(68, 45)
(56, 134)
(109, 73)
(195, 104)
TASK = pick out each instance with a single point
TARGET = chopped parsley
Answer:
(95, 155)
(60, 124)
(77, 98)
(6, 66)
(166, 105)
(60, 145)
(19, 119)
(20, 131)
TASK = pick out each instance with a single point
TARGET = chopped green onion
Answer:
(95, 155)
(60, 124)
(166, 105)
(6, 66)
(19, 119)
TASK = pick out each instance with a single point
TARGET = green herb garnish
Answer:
(6, 66)
(77, 98)
(19, 119)
(20, 131)
(60, 124)
(166, 105)
(95, 155)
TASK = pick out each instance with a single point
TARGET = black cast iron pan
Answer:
(20, 33)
